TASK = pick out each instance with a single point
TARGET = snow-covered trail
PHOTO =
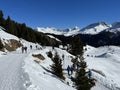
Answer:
(11, 72)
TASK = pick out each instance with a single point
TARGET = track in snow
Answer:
(11, 72)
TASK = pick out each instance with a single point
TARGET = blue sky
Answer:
(61, 13)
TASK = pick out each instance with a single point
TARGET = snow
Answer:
(95, 28)
(7, 36)
(115, 27)
(42, 79)
(11, 73)
(53, 37)
(52, 30)
(39, 77)
(106, 61)
(24, 73)
(73, 32)
(20, 72)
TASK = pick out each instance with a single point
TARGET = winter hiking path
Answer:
(12, 76)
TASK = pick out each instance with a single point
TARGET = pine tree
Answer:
(57, 66)
(2, 20)
(50, 55)
(76, 46)
(81, 80)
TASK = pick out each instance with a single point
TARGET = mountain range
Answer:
(96, 34)
(94, 28)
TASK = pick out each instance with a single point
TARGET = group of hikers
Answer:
(24, 48)
(35, 46)
(70, 70)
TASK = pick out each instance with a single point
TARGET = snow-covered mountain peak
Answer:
(95, 28)
(76, 28)
(65, 32)
(103, 24)
(115, 27)
(50, 30)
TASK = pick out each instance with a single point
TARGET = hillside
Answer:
(105, 62)
(34, 73)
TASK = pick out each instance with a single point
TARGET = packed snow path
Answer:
(11, 72)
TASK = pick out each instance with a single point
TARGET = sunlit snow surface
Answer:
(106, 60)
(14, 65)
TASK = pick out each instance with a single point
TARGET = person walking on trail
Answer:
(25, 48)
(30, 46)
(89, 73)
(36, 47)
(22, 48)
(68, 70)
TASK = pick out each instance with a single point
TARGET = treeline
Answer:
(74, 43)
(27, 33)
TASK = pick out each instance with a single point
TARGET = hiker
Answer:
(25, 48)
(68, 70)
(78, 65)
(72, 68)
(22, 49)
(30, 46)
(89, 73)
(36, 47)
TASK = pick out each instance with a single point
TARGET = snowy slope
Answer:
(50, 30)
(14, 65)
(73, 31)
(42, 79)
(115, 27)
(39, 77)
(66, 32)
(4, 35)
(95, 28)
(105, 62)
